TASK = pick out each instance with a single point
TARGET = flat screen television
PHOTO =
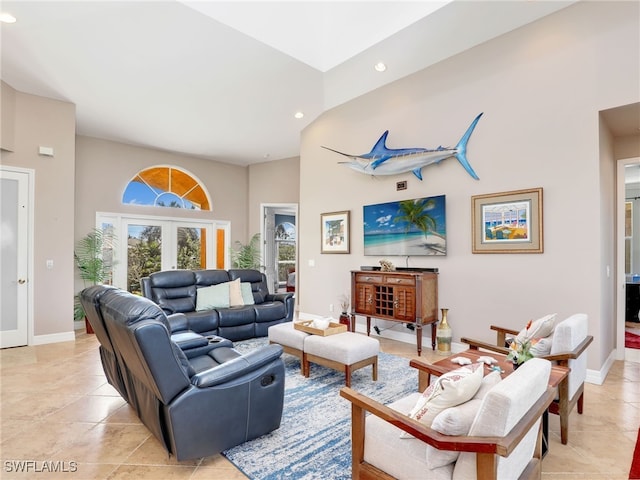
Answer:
(406, 228)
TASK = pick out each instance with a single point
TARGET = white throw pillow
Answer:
(457, 421)
(541, 346)
(448, 390)
(540, 328)
(235, 293)
(214, 296)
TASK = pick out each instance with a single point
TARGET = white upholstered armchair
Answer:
(569, 342)
(503, 440)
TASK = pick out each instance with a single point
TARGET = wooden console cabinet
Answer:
(400, 296)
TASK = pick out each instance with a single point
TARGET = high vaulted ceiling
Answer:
(223, 80)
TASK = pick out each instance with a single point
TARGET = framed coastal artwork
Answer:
(334, 228)
(508, 222)
(406, 228)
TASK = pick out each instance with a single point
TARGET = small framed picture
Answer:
(508, 222)
(334, 228)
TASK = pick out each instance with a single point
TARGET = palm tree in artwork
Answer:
(414, 212)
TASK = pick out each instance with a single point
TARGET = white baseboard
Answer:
(53, 338)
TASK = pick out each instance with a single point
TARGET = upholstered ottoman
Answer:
(344, 352)
(291, 340)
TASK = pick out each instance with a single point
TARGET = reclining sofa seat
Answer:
(90, 300)
(175, 291)
(195, 407)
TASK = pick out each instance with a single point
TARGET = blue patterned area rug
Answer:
(314, 438)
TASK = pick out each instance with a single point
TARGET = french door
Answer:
(16, 205)
(146, 244)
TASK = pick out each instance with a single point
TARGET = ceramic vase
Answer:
(443, 334)
(345, 320)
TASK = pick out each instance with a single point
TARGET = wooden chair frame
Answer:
(564, 404)
(486, 448)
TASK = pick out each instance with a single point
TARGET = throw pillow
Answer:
(541, 346)
(235, 294)
(247, 293)
(489, 381)
(540, 328)
(448, 390)
(214, 296)
(451, 421)
(457, 421)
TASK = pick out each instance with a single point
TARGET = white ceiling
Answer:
(223, 80)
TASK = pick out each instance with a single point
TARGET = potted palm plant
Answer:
(93, 267)
(247, 255)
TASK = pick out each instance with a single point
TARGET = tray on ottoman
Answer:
(332, 329)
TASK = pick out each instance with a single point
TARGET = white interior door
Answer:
(15, 289)
(269, 251)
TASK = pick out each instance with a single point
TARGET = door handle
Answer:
(22, 281)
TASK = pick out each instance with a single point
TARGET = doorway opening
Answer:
(279, 232)
(629, 170)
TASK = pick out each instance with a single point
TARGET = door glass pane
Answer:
(9, 254)
(144, 253)
(192, 251)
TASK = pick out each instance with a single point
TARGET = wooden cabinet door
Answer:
(365, 298)
(404, 302)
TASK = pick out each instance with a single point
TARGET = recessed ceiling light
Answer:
(298, 115)
(7, 18)
(380, 67)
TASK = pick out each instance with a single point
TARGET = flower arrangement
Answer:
(520, 350)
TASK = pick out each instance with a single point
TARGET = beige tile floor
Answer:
(56, 407)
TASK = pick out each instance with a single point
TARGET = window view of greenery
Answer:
(286, 259)
(190, 248)
(286, 250)
(144, 252)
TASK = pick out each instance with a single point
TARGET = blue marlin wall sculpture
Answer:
(392, 161)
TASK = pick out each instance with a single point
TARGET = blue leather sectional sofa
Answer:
(176, 291)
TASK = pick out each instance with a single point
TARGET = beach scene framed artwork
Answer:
(507, 222)
(334, 227)
(406, 228)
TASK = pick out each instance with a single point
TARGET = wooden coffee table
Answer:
(425, 370)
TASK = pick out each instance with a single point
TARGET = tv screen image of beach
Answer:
(406, 228)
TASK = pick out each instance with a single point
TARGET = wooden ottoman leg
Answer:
(305, 365)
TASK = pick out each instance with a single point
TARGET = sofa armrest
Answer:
(278, 297)
(478, 344)
(563, 357)
(286, 298)
(237, 367)
(501, 334)
(178, 322)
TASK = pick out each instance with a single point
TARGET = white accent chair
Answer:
(568, 349)
(504, 441)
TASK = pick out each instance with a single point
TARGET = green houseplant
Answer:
(94, 268)
(247, 255)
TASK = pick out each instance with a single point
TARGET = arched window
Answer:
(163, 186)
